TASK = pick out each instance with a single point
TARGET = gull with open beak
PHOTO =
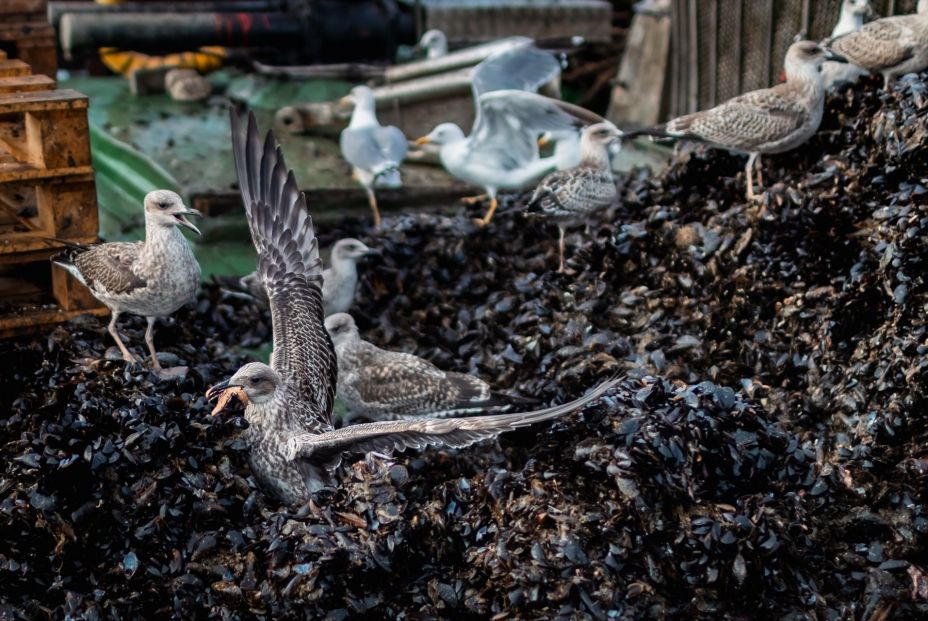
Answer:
(374, 151)
(293, 449)
(151, 278)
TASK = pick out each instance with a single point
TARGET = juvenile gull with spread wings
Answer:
(501, 152)
(293, 448)
(891, 46)
(374, 151)
(152, 278)
(388, 385)
(766, 121)
(339, 280)
(573, 195)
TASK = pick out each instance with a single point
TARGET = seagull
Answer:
(851, 19)
(387, 385)
(891, 46)
(152, 278)
(501, 152)
(339, 280)
(435, 44)
(293, 450)
(575, 194)
(766, 121)
(375, 152)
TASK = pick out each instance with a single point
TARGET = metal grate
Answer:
(721, 48)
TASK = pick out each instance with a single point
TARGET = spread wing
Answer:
(743, 122)
(373, 148)
(290, 268)
(880, 44)
(326, 449)
(506, 132)
(107, 268)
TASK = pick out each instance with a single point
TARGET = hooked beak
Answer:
(424, 140)
(835, 57)
(224, 393)
(179, 216)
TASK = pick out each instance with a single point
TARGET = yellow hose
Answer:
(204, 60)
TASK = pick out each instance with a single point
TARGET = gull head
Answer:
(856, 8)
(360, 98)
(253, 383)
(434, 42)
(349, 249)
(446, 133)
(601, 134)
(342, 328)
(803, 55)
(166, 208)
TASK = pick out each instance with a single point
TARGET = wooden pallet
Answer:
(25, 34)
(46, 191)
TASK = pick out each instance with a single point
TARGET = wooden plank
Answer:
(70, 293)
(13, 67)
(39, 318)
(17, 243)
(58, 138)
(73, 209)
(64, 99)
(25, 172)
(636, 98)
(26, 83)
(23, 6)
(16, 31)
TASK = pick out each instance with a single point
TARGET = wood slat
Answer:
(26, 172)
(30, 321)
(23, 6)
(26, 83)
(13, 67)
(64, 99)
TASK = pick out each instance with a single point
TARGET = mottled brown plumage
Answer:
(574, 195)
(891, 46)
(293, 449)
(153, 278)
(766, 121)
(386, 385)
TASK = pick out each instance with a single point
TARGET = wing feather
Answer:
(290, 268)
(326, 449)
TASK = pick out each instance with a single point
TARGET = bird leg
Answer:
(376, 461)
(760, 171)
(372, 201)
(560, 247)
(150, 341)
(749, 175)
(485, 220)
(474, 200)
(126, 354)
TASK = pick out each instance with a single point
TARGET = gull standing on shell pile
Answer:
(293, 448)
(386, 385)
(766, 121)
(339, 280)
(151, 278)
(574, 195)
(891, 46)
(374, 151)
(853, 13)
(501, 152)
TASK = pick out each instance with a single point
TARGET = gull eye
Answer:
(164, 205)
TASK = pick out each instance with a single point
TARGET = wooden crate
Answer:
(46, 191)
(25, 34)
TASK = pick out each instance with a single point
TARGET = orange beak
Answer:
(543, 142)
(422, 141)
